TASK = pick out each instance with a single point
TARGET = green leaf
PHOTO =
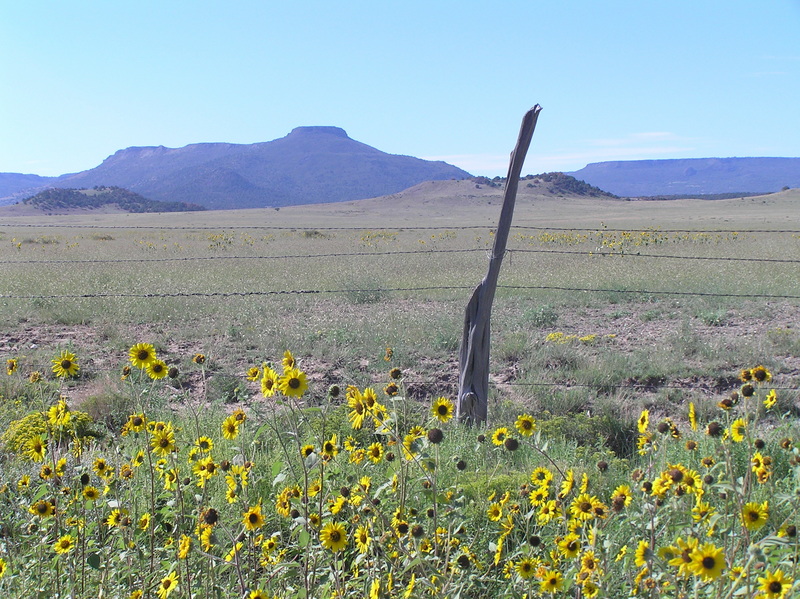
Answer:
(93, 560)
(303, 538)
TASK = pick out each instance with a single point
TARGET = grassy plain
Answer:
(607, 308)
(173, 279)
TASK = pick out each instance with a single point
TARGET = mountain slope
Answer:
(13, 185)
(639, 178)
(310, 165)
(58, 201)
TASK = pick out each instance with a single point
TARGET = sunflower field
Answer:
(354, 491)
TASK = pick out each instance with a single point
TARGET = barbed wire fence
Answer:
(596, 252)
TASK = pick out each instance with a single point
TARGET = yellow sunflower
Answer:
(499, 435)
(775, 585)
(541, 476)
(358, 409)
(253, 518)
(569, 546)
(330, 448)
(738, 430)
(168, 584)
(375, 452)
(42, 508)
(35, 448)
(525, 424)
(552, 581)
(253, 373)
(761, 374)
(582, 507)
(163, 442)
(142, 354)
(755, 515)
(526, 567)
(64, 545)
(156, 369)
(269, 381)
(442, 409)
(708, 561)
(230, 428)
(293, 383)
(204, 444)
(333, 536)
(362, 538)
(65, 365)
(644, 421)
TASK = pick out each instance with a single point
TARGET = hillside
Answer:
(64, 200)
(692, 176)
(310, 165)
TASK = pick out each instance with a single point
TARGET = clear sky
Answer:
(447, 80)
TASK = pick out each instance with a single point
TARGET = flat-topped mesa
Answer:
(336, 131)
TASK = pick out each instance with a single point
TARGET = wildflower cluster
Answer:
(364, 494)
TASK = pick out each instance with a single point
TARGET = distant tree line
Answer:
(56, 198)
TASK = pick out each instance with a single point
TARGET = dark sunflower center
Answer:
(752, 516)
(335, 536)
(775, 587)
(158, 368)
(143, 354)
(253, 518)
(66, 364)
(442, 410)
(709, 562)
(585, 506)
(294, 383)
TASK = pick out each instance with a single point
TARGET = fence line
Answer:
(596, 252)
(398, 228)
(396, 289)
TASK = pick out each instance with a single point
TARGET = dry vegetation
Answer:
(613, 318)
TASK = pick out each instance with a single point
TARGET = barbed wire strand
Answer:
(597, 252)
(381, 228)
(395, 289)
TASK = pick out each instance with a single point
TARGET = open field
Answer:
(614, 322)
(378, 282)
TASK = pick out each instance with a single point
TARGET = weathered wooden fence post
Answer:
(473, 381)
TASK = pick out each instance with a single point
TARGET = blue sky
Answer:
(446, 80)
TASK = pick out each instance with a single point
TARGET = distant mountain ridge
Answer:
(699, 176)
(309, 165)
